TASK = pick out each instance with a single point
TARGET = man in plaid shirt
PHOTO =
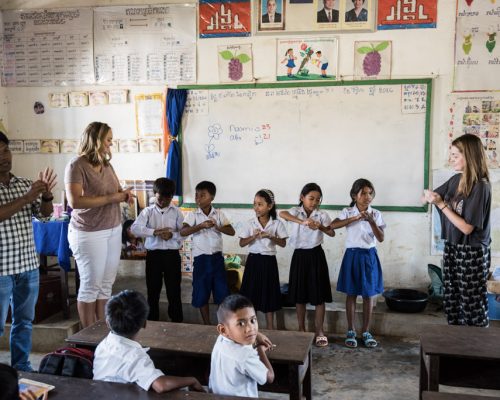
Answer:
(20, 199)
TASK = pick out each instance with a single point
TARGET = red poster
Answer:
(219, 18)
(406, 14)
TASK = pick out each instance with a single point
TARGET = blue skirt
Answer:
(360, 273)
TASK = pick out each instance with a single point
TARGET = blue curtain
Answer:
(176, 101)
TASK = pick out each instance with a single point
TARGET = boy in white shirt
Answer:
(239, 361)
(160, 224)
(118, 358)
(207, 225)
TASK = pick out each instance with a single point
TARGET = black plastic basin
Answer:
(406, 300)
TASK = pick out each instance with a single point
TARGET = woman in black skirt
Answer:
(464, 204)
(309, 277)
(261, 283)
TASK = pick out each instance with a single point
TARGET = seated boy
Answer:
(239, 361)
(119, 358)
(207, 224)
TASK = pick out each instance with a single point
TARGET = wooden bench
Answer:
(85, 389)
(453, 396)
(459, 356)
(185, 349)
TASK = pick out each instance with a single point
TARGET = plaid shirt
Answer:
(17, 246)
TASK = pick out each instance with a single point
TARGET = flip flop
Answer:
(350, 340)
(321, 341)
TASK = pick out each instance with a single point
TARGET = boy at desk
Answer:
(207, 225)
(119, 358)
(239, 361)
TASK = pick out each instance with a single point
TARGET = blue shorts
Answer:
(209, 275)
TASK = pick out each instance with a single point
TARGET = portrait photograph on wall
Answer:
(357, 15)
(328, 14)
(271, 15)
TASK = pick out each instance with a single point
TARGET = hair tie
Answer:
(269, 193)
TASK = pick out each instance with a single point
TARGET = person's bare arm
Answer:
(226, 230)
(166, 383)
(187, 230)
(76, 199)
(261, 350)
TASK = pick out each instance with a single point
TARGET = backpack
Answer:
(436, 290)
(68, 361)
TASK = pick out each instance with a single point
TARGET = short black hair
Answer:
(4, 138)
(164, 187)
(127, 224)
(10, 385)
(308, 188)
(208, 186)
(230, 305)
(126, 313)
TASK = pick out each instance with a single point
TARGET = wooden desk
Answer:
(459, 356)
(185, 349)
(84, 389)
(454, 396)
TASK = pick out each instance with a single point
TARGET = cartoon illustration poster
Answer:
(372, 60)
(223, 18)
(477, 114)
(406, 14)
(235, 63)
(311, 59)
(477, 55)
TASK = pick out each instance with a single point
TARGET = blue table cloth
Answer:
(51, 239)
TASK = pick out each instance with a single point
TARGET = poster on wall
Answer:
(224, 18)
(477, 114)
(235, 63)
(145, 44)
(48, 47)
(311, 59)
(149, 110)
(477, 55)
(406, 14)
(372, 60)
(1, 49)
(272, 15)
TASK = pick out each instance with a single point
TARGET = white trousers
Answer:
(97, 255)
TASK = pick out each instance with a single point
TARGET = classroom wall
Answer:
(405, 252)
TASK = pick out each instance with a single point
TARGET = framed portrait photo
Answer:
(357, 15)
(328, 14)
(272, 15)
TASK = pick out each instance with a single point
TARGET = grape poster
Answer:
(372, 60)
(235, 63)
(307, 59)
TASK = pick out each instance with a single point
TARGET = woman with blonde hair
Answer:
(464, 204)
(94, 234)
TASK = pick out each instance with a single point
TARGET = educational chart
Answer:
(145, 45)
(477, 114)
(477, 55)
(330, 133)
(47, 47)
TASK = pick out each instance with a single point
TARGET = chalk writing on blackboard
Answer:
(214, 133)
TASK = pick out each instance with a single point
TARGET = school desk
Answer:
(85, 389)
(453, 396)
(185, 349)
(459, 356)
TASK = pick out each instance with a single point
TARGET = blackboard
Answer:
(276, 136)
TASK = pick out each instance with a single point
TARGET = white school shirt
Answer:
(235, 369)
(206, 241)
(154, 217)
(360, 233)
(265, 246)
(303, 237)
(122, 360)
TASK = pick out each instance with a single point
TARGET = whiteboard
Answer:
(281, 137)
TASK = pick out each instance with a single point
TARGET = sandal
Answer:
(368, 340)
(321, 341)
(350, 340)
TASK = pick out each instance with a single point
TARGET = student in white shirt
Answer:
(361, 272)
(239, 361)
(309, 278)
(119, 358)
(207, 225)
(261, 281)
(160, 224)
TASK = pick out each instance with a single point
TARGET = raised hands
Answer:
(48, 177)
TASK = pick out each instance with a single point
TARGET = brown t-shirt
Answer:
(94, 183)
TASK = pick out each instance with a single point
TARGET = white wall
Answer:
(416, 53)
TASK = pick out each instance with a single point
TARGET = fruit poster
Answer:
(477, 53)
(235, 63)
(372, 60)
(223, 18)
(311, 59)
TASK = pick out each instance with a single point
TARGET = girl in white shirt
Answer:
(261, 283)
(309, 278)
(361, 272)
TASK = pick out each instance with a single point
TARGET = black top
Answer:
(474, 209)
